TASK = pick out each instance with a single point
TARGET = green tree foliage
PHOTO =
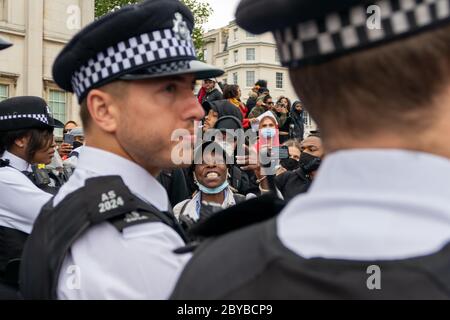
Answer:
(201, 10)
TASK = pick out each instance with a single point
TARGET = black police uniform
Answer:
(361, 232)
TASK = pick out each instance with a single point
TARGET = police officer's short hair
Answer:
(389, 88)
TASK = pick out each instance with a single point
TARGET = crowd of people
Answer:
(106, 214)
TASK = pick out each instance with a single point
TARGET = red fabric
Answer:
(201, 95)
(244, 111)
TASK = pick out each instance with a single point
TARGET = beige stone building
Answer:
(39, 29)
(246, 58)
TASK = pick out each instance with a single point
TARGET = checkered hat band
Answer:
(127, 55)
(39, 117)
(358, 27)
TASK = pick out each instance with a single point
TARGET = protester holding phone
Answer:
(66, 147)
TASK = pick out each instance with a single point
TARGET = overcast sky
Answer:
(223, 13)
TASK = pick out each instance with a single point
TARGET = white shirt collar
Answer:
(367, 204)
(385, 170)
(16, 162)
(140, 182)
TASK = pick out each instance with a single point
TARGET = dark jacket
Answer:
(298, 119)
(175, 184)
(293, 183)
(213, 95)
(259, 267)
(251, 103)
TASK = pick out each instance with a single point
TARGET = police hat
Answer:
(4, 44)
(26, 113)
(146, 40)
(314, 31)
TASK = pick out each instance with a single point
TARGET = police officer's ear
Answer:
(22, 142)
(104, 110)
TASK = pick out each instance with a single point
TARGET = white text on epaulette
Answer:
(110, 202)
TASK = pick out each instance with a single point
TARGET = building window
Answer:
(57, 101)
(235, 78)
(277, 55)
(250, 35)
(250, 81)
(4, 92)
(225, 62)
(251, 54)
(236, 56)
(235, 33)
(279, 80)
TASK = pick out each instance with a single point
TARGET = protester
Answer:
(212, 93)
(218, 109)
(77, 146)
(298, 178)
(293, 162)
(263, 104)
(214, 191)
(282, 109)
(298, 120)
(66, 148)
(232, 93)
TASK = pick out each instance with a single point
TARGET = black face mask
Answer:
(309, 163)
(290, 164)
(77, 144)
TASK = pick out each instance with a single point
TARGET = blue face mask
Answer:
(268, 132)
(217, 190)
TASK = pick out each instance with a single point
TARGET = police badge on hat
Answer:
(180, 28)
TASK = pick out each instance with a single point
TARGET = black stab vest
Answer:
(57, 228)
(260, 267)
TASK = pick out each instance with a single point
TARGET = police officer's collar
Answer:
(16, 162)
(314, 31)
(140, 182)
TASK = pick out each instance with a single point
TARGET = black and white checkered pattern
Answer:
(39, 117)
(148, 48)
(355, 28)
(169, 67)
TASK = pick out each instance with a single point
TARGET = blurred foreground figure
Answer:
(375, 223)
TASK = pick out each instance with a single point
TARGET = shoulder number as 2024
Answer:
(110, 202)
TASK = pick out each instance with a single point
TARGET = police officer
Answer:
(375, 223)
(6, 292)
(26, 138)
(109, 233)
